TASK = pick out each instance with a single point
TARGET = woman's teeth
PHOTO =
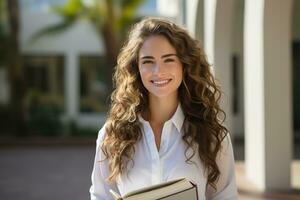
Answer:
(161, 82)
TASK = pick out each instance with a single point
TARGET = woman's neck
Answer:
(161, 109)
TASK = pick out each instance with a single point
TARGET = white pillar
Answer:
(209, 29)
(72, 85)
(195, 18)
(217, 44)
(268, 127)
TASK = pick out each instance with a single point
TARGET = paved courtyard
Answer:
(45, 173)
(62, 172)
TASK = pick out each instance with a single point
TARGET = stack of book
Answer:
(179, 189)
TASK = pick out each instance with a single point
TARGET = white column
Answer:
(195, 18)
(72, 85)
(254, 92)
(268, 130)
(217, 44)
(209, 29)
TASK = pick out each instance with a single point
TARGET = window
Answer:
(94, 80)
(44, 76)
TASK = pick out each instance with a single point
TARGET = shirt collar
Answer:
(177, 118)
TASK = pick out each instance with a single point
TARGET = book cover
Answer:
(179, 189)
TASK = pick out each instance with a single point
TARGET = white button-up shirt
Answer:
(152, 166)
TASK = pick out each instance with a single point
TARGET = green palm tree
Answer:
(111, 19)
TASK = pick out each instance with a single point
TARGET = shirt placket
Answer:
(155, 160)
(156, 156)
(166, 131)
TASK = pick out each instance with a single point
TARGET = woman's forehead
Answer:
(156, 45)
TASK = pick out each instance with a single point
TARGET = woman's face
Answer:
(160, 67)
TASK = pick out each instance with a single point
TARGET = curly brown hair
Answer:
(198, 93)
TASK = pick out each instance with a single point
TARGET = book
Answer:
(178, 189)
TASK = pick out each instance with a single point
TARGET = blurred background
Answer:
(56, 61)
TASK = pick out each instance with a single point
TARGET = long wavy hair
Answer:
(199, 97)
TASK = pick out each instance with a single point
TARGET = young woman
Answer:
(164, 120)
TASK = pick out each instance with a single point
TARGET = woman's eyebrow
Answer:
(168, 55)
(163, 56)
(147, 57)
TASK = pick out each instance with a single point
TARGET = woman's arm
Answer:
(226, 185)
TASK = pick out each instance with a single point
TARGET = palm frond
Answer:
(53, 29)
(128, 14)
(71, 10)
(97, 13)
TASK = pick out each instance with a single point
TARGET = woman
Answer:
(164, 120)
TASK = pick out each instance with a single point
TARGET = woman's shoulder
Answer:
(101, 133)
(226, 145)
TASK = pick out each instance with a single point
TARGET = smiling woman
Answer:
(160, 68)
(164, 121)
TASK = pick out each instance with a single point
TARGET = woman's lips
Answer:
(161, 83)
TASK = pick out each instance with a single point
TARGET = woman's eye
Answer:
(147, 62)
(169, 60)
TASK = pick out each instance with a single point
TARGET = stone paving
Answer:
(62, 172)
(45, 173)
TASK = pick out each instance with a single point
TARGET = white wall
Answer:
(63, 42)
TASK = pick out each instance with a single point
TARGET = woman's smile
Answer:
(161, 82)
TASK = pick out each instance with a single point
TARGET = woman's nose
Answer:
(157, 68)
